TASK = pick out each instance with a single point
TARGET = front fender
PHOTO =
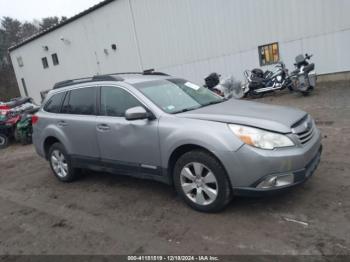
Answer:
(213, 136)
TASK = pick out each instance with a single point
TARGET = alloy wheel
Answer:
(59, 163)
(199, 184)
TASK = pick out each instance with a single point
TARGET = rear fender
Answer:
(53, 131)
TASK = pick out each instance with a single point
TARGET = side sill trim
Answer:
(118, 166)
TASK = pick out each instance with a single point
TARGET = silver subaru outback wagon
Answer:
(154, 126)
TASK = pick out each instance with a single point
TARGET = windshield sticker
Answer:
(171, 108)
(193, 86)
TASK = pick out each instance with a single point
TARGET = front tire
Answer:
(305, 93)
(61, 165)
(202, 181)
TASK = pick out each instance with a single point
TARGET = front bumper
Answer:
(300, 177)
(249, 166)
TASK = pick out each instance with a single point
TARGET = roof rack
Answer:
(145, 73)
(87, 80)
(153, 72)
(107, 77)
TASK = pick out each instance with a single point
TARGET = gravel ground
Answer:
(108, 214)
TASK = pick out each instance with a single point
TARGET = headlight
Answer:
(260, 138)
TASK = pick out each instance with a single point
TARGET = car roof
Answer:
(128, 78)
(137, 78)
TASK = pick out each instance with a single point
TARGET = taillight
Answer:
(3, 112)
(35, 119)
(4, 107)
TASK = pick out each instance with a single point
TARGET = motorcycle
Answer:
(304, 77)
(211, 81)
(259, 82)
(227, 88)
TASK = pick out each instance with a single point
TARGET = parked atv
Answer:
(8, 130)
(6, 133)
(13, 113)
(24, 128)
(4, 137)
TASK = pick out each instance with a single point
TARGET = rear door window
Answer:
(54, 104)
(80, 102)
(115, 101)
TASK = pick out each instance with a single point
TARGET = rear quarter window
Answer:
(80, 101)
(54, 104)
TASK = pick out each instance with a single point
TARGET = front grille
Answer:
(305, 130)
(305, 137)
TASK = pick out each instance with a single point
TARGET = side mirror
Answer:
(136, 113)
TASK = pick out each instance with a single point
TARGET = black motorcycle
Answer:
(228, 87)
(259, 82)
(211, 81)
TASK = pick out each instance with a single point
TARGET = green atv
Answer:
(24, 128)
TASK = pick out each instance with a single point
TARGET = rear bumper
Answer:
(300, 176)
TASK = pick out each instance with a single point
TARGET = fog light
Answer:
(268, 183)
(285, 180)
(276, 181)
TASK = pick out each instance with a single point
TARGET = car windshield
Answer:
(177, 95)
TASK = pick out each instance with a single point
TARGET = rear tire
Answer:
(256, 95)
(61, 165)
(17, 135)
(202, 181)
(26, 140)
(4, 141)
(305, 93)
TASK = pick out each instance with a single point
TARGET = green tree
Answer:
(12, 30)
(2, 45)
(28, 30)
(48, 22)
(10, 34)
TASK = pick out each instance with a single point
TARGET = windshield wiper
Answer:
(186, 110)
(215, 102)
(197, 107)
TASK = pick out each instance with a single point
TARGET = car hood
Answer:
(270, 117)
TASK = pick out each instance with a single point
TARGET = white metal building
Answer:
(186, 38)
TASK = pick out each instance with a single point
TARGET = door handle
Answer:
(62, 123)
(103, 127)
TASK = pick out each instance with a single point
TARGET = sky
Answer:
(27, 10)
